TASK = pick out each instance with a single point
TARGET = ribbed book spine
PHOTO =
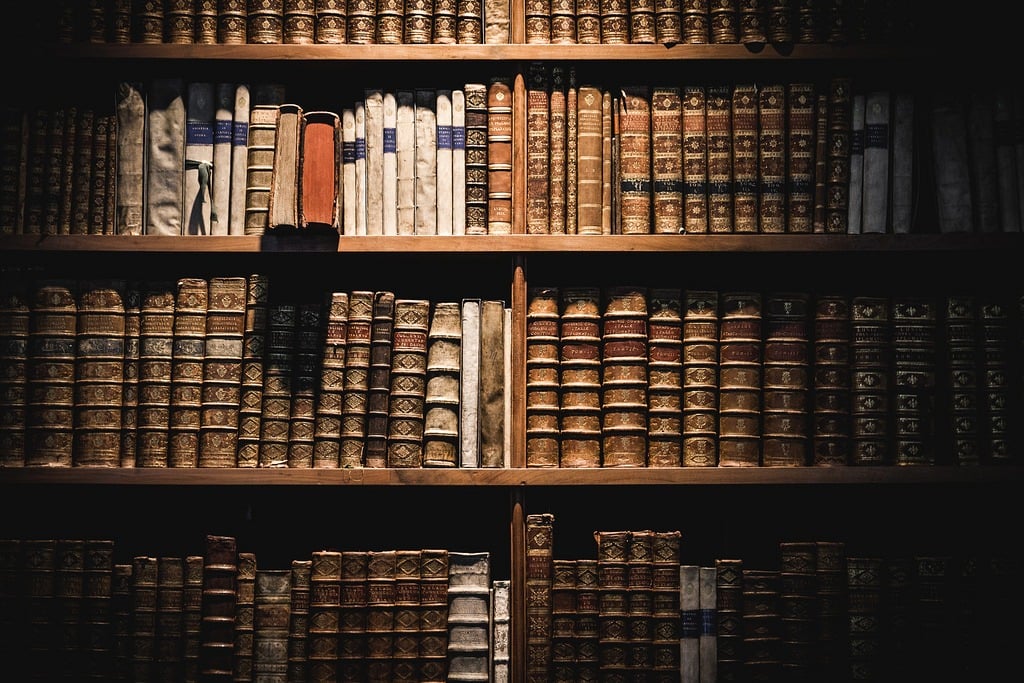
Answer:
(379, 387)
(190, 312)
(469, 614)
(720, 166)
(624, 382)
(771, 112)
(443, 375)
(406, 664)
(144, 594)
(170, 624)
(786, 380)
(156, 344)
(14, 336)
(665, 378)
(538, 123)
(695, 159)
(741, 371)
(250, 407)
(433, 649)
(997, 353)
(298, 622)
(542, 377)
(130, 389)
(282, 319)
(563, 619)
(381, 584)
(217, 632)
(245, 617)
(405, 160)
(700, 378)
(556, 150)
(589, 154)
(330, 395)
(283, 205)
(539, 578)
(635, 161)
(830, 440)
(667, 159)
(305, 378)
(325, 596)
(799, 156)
(260, 153)
(499, 156)
(193, 615)
(357, 379)
(871, 369)
(407, 394)
(578, 396)
(745, 159)
(272, 612)
(839, 132)
(914, 347)
(476, 158)
(222, 372)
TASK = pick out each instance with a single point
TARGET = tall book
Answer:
(425, 186)
(786, 380)
(542, 381)
(130, 109)
(165, 156)
(665, 378)
(914, 350)
(951, 165)
(635, 161)
(250, 407)
(664, 598)
(575, 352)
(298, 620)
(589, 164)
(962, 358)
(997, 324)
(501, 623)
(700, 347)
(441, 399)
(877, 155)
(798, 599)
(443, 164)
(379, 387)
(830, 338)
(361, 196)
(469, 615)
(305, 380)
(718, 108)
(275, 416)
(241, 106)
(839, 132)
(741, 356)
(771, 113)
(563, 620)
(707, 645)
(458, 162)
(855, 203)
(259, 165)
(156, 350)
(614, 604)
(222, 372)
(245, 616)
(609, 164)
(170, 625)
(408, 569)
(330, 395)
(821, 141)
(351, 650)
(695, 160)
(624, 380)
(318, 179)
(745, 198)
(270, 627)
(407, 392)
(217, 637)
(389, 165)
(832, 610)
(556, 150)
(284, 180)
(871, 380)
(492, 384)
(130, 395)
(1006, 161)
(902, 161)
(538, 163)
(373, 110)
(405, 160)
(539, 577)
(220, 183)
(190, 311)
(864, 584)
(381, 592)
(144, 595)
(689, 617)
(357, 379)
(499, 156)
(981, 150)
(348, 172)
(325, 598)
(469, 393)
(14, 339)
(762, 638)
(476, 158)
(193, 616)
(799, 156)
(433, 650)
(68, 604)
(200, 110)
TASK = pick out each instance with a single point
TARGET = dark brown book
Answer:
(914, 349)
(97, 635)
(695, 159)
(542, 377)
(433, 649)
(830, 576)
(700, 378)
(222, 372)
(587, 615)
(99, 373)
(405, 664)
(871, 381)
(250, 407)
(130, 381)
(665, 378)
(753, 21)
(723, 21)
(14, 148)
(217, 632)
(668, 22)
(864, 585)
(538, 118)
(55, 152)
(156, 352)
(798, 155)
(170, 618)
(831, 379)
(179, 21)
(379, 384)
(771, 137)
(441, 395)
(577, 398)
(997, 323)
(821, 151)
(272, 614)
(563, 620)
(476, 158)
(145, 592)
(121, 620)
(265, 22)
(319, 165)
(381, 593)
(327, 427)
(245, 617)
(189, 350)
(837, 178)
(35, 170)
(741, 369)
(640, 602)
(539, 577)
(299, 20)
(499, 156)
(101, 220)
(635, 161)
(624, 382)
(666, 159)
(305, 378)
(275, 420)
(67, 170)
(49, 422)
(762, 631)
(799, 606)
(324, 609)
(298, 621)
(666, 601)
(407, 392)
(14, 341)
(193, 616)
(786, 380)
(352, 653)
(68, 597)
(613, 602)
(39, 568)
(357, 379)
(745, 158)
(718, 108)
(205, 22)
(492, 384)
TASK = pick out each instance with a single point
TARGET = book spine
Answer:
(719, 158)
(305, 379)
(144, 595)
(348, 172)
(405, 154)
(914, 330)
(556, 150)
(190, 312)
(130, 108)
(635, 155)
(542, 380)
(831, 380)
(745, 160)
(260, 154)
(373, 106)
(608, 209)
(193, 615)
(330, 396)
(298, 622)
(381, 589)
(501, 622)
(786, 381)
(538, 164)
(476, 158)
(284, 180)
(539, 578)
(589, 166)
(156, 344)
(902, 161)
(469, 392)
(624, 382)
(406, 665)
(689, 616)
(200, 110)
(379, 387)
(469, 616)
(839, 132)
(170, 605)
(700, 378)
(223, 120)
(443, 162)
(250, 406)
(665, 382)
(997, 352)
(272, 605)
(708, 637)
(962, 325)
(563, 619)
(220, 569)
(458, 162)
(666, 160)
(772, 158)
(1006, 162)
(575, 396)
(870, 366)
(357, 379)
(362, 196)
(282, 319)
(318, 175)
(407, 394)
(426, 206)
(741, 374)
(245, 617)
(492, 383)
(325, 600)
(799, 124)
(352, 650)
(14, 343)
(165, 156)
(444, 370)
(222, 372)
(499, 156)
(856, 185)
(981, 146)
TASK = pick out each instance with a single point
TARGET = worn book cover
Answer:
(635, 160)
(222, 371)
(877, 155)
(357, 378)
(282, 320)
(373, 106)
(223, 118)
(200, 110)
(667, 159)
(492, 383)
(217, 628)
(444, 364)
(745, 158)
(720, 148)
(379, 386)
(407, 396)
(799, 156)
(837, 171)
(426, 181)
(319, 163)
(589, 154)
(191, 302)
(329, 397)
(786, 379)
(538, 161)
(443, 164)
(556, 150)
(305, 379)
(165, 156)
(771, 184)
(260, 153)
(740, 373)
(284, 181)
(499, 156)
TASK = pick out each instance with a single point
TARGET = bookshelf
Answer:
(720, 511)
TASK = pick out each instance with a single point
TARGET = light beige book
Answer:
(223, 118)
(458, 162)
(348, 172)
(389, 171)
(130, 108)
(426, 162)
(198, 179)
(239, 144)
(165, 155)
(405, 151)
(445, 217)
(360, 168)
(284, 184)
(373, 104)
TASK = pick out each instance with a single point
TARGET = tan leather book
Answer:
(729, 605)
(590, 161)
(15, 149)
(496, 22)
(351, 650)
(121, 616)
(624, 382)
(357, 379)
(222, 372)
(538, 163)
(720, 152)
(695, 160)
(191, 303)
(444, 365)
(418, 22)
(469, 24)
(492, 384)
(665, 382)
(320, 163)
(329, 398)
(325, 600)
(405, 666)
(556, 148)
(563, 619)
(232, 22)
(723, 21)
(577, 339)
(408, 382)
(35, 171)
(608, 208)
(192, 595)
(635, 161)
(700, 380)
(830, 337)
(284, 181)
(156, 345)
(667, 159)
(165, 155)
(170, 612)
(668, 22)
(305, 379)
(571, 153)
(298, 620)
(642, 29)
(786, 380)
(260, 152)
(250, 407)
(220, 596)
(499, 156)
(179, 21)
(799, 156)
(331, 22)
(99, 373)
(265, 22)
(741, 368)
(379, 386)
(542, 381)
(745, 200)
(615, 22)
(588, 22)
(299, 22)
(381, 584)
(771, 184)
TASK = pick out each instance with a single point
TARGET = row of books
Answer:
(239, 372)
(73, 607)
(291, 22)
(629, 376)
(819, 613)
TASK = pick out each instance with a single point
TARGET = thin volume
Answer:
(198, 164)
(239, 160)
(223, 119)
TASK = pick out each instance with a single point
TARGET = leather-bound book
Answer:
(405, 161)
(635, 161)
(837, 179)
(563, 22)
(640, 606)
(613, 605)
(130, 109)
(443, 162)
(357, 379)
(997, 321)
(100, 223)
(745, 200)
(97, 641)
(200, 109)
(433, 649)
(723, 21)
(577, 343)
(373, 109)
(855, 203)
(556, 150)
(39, 570)
(492, 384)
(144, 617)
(877, 161)
(362, 22)
(501, 624)
(205, 22)
(642, 28)
(170, 624)
(753, 22)
(425, 164)
(476, 158)
(14, 131)
(914, 348)
(665, 378)
(962, 326)
(864, 585)
(99, 373)
(689, 622)
(831, 381)
(831, 615)
(667, 159)
(189, 351)
(282, 320)
(458, 162)
(299, 22)
(245, 616)
(542, 377)
(469, 390)
(14, 335)
(272, 611)
(695, 22)
(762, 632)
(469, 615)
(284, 180)
(951, 164)
(193, 616)
(331, 19)
(695, 159)
(379, 387)
(668, 22)
(902, 161)
(405, 666)
(298, 621)
(771, 112)
(260, 153)
(320, 161)
(719, 158)
(381, 584)
(585, 628)
(389, 19)
(786, 380)
(871, 380)
(588, 22)
(156, 347)
(179, 21)
(538, 22)
(441, 395)
(624, 383)
(329, 397)
(265, 21)
(81, 173)
(538, 163)
(250, 407)
(408, 383)
(469, 22)
(665, 602)
(232, 22)
(165, 155)
(499, 156)
(305, 379)
(799, 156)
(418, 22)
(222, 372)
(539, 578)
(325, 596)
(614, 22)
(68, 599)
(563, 619)
(121, 620)
(700, 378)
(740, 375)
(49, 417)
(798, 606)
(589, 167)
(35, 171)
(821, 152)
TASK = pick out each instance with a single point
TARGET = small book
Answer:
(492, 383)
(856, 189)
(537, 144)
(389, 165)
(284, 181)
(200, 110)
(499, 156)
(320, 162)
(165, 156)
(373, 110)
(260, 151)
(379, 387)
(589, 166)
(469, 423)
(223, 131)
(130, 108)
(191, 303)
(443, 164)
(405, 153)
(820, 200)
(425, 214)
